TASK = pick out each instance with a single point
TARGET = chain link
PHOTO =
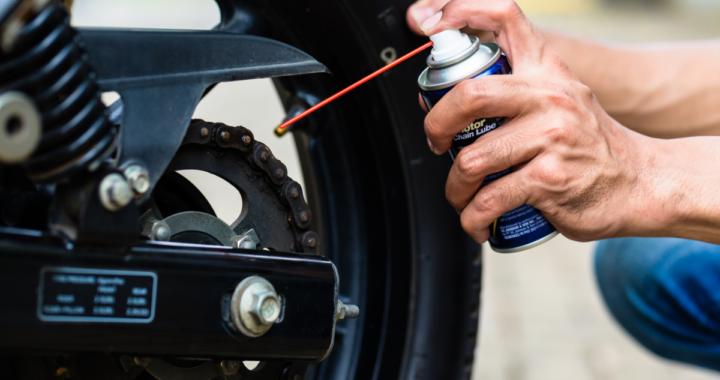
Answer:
(262, 160)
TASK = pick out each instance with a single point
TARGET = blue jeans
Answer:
(666, 293)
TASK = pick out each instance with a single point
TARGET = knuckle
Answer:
(508, 9)
(469, 166)
(584, 92)
(486, 201)
(467, 93)
(551, 173)
(559, 133)
(559, 96)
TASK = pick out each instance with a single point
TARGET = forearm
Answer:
(679, 191)
(661, 90)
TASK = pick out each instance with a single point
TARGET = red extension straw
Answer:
(281, 129)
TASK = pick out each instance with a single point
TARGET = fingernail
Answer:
(430, 144)
(431, 21)
(422, 14)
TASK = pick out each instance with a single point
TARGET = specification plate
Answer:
(96, 295)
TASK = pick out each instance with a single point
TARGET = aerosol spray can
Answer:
(456, 57)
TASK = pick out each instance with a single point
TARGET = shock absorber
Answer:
(44, 61)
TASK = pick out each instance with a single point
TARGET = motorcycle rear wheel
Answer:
(376, 193)
(376, 190)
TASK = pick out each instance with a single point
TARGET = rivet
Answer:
(311, 243)
(304, 216)
(279, 173)
(204, 132)
(264, 156)
(225, 136)
(246, 140)
(294, 192)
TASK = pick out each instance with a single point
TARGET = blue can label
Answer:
(514, 229)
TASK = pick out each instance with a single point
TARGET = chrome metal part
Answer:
(255, 306)
(247, 240)
(20, 127)
(115, 192)
(138, 179)
(347, 311)
(160, 231)
(438, 78)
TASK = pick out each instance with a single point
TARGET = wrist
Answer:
(677, 183)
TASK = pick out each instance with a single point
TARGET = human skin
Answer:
(662, 89)
(591, 177)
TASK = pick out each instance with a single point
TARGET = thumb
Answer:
(519, 39)
(421, 11)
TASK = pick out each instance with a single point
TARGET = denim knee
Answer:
(666, 294)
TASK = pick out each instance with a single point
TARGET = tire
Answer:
(377, 189)
(377, 198)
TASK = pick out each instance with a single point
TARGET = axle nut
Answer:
(255, 306)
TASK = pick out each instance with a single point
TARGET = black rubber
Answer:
(377, 191)
(377, 198)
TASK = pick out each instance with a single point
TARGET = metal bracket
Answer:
(167, 73)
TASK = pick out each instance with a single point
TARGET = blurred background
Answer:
(542, 316)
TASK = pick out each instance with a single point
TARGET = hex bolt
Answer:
(204, 132)
(115, 192)
(255, 306)
(294, 192)
(246, 140)
(246, 242)
(304, 216)
(225, 136)
(230, 367)
(264, 156)
(266, 307)
(138, 178)
(279, 173)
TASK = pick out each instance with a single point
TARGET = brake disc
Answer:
(274, 213)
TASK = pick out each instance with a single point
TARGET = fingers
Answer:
(421, 11)
(502, 195)
(519, 39)
(492, 96)
(422, 103)
(498, 151)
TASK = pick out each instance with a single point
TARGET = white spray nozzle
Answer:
(449, 43)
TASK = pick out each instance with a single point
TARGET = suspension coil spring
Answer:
(49, 64)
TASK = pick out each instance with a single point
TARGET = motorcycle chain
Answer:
(261, 159)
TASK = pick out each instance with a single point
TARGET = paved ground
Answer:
(542, 317)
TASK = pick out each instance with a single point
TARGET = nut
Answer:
(115, 192)
(138, 179)
(255, 306)
(160, 231)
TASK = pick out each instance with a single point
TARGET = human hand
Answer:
(423, 9)
(585, 172)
